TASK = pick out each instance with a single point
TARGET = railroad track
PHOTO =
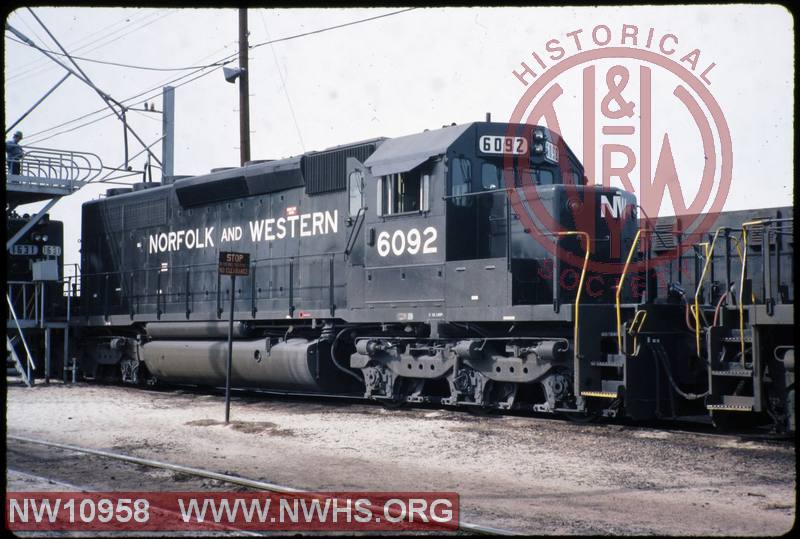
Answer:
(677, 426)
(466, 527)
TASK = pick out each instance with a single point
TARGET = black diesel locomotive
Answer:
(470, 266)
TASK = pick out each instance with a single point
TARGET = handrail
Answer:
(699, 286)
(358, 221)
(19, 330)
(636, 326)
(744, 270)
(619, 287)
(585, 236)
(741, 281)
(62, 167)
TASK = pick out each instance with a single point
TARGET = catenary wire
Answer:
(41, 61)
(116, 38)
(154, 88)
(130, 66)
(283, 83)
(222, 61)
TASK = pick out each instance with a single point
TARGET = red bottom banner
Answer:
(209, 511)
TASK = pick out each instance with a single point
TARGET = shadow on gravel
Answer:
(247, 427)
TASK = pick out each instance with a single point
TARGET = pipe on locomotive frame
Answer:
(197, 330)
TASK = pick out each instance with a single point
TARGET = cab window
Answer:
(461, 181)
(404, 192)
(491, 176)
(356, 192)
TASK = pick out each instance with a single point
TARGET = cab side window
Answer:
(355, 186)
(490, 176)
(461, 181)
(404, 192)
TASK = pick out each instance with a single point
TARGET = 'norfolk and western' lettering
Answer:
(298, 225)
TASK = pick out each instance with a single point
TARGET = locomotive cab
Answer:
(453, 205)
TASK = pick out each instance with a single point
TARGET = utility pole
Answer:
(244, 89)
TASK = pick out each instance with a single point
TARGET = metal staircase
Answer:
(733, 378)
(45, 175)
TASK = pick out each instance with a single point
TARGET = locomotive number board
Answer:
(499, 145)
(234, 263)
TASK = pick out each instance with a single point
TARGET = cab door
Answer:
(358, 177)
(404, 238)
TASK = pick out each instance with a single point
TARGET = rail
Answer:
(46, 167)
(584, 235)
(223, 477)
(619, 287)
(18, 293)
(31, 362)
(745, 225)
(699, 287)
(636, 327)
(118, 281)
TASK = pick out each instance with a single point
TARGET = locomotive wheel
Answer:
(580, 417)
(726, 421)
(481, 411)
(392, 404)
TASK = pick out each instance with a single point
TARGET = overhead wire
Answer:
(40, 61)
(283, 83)
(36, 141)
(110, 101)
(116, 37)
(329, 28)
(118, 64)
(221, 61)
(152, 89)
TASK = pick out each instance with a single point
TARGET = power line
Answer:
(109, 28)
(105, 62)
(320, 30)
(110, 101)
(112, 114)
(222, 61)
(283, 84)
(159, 85)
(115, 38)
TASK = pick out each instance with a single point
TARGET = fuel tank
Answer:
(296, 364)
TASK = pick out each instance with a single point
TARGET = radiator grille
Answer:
(326, 171)
(146, 214)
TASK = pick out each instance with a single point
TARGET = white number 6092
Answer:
(399, 242)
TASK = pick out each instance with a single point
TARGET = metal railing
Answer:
(25, 295)
(576, 329)
(63, 169)
(118, 286)
(30, 363)
(618, 297)
(765, 255)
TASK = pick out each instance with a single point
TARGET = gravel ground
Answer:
(531, 475)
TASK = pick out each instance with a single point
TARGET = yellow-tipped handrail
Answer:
(741, 279)
(584, 235)
(636, 326)
(699, 286)
(619, 287)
